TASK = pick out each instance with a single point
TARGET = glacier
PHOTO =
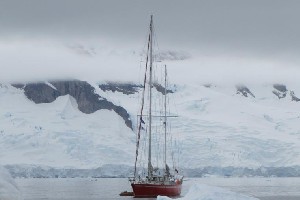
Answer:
(219, 130)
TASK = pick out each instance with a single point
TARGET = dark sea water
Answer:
(109, 188)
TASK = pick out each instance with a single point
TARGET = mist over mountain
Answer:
(220, 42)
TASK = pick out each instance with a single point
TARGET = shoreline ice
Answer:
(205, 192)
(8, 187)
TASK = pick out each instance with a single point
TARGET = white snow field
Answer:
(205, 192)
(216, 127)
(8, 188)
(57, 134)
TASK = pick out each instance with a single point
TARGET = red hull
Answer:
(153, 190)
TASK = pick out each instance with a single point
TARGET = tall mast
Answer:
(165, 123)
(150, 106)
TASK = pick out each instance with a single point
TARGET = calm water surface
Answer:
(109, 188)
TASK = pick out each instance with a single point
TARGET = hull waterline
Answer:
(153, 190)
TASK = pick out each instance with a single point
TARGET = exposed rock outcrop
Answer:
(88, 101)
(280, 87)
(241, 89)
(294, 98)
(207, 85)
(280, 90)
(161, 89)
(125, 88)
(129, 88)
(41, 93)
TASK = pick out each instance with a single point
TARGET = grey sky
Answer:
(248, 30)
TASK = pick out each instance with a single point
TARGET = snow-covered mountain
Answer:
(79, 124)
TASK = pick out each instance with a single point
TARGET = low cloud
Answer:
(207, 41)
(82, 50)
(43, 59)
(172, 55)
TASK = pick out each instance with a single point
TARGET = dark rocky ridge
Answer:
(241, 89)
(294, 98)
(129, 88)
(40, 93)
(207, 85)
(279, 94)
(280, 87)
(125, 88)
(161, 89)
(280, 90)
(88, 101)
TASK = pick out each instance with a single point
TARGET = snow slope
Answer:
(228, 129)
(59, 135)
(216, 127)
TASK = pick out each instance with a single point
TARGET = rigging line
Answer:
(140, 124)
(158, 54)
(143, 151)
(145, 44)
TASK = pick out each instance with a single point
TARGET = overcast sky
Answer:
(94, 39)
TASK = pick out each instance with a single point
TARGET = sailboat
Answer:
(153, 184)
